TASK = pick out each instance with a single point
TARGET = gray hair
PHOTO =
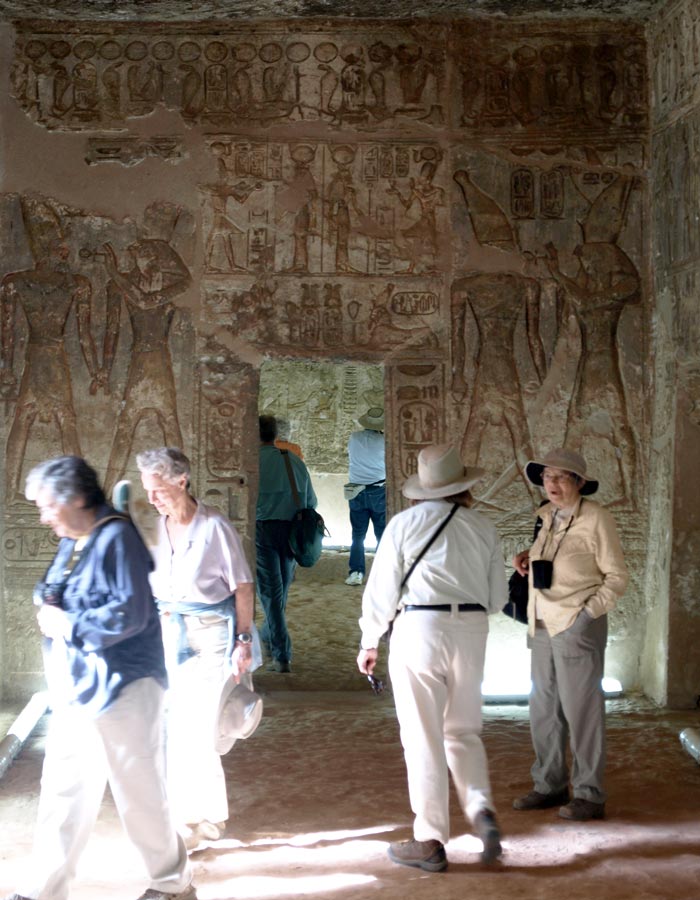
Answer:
(65, 478)
(168, 462)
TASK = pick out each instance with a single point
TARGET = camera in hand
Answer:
(50, 594)
(542, 572)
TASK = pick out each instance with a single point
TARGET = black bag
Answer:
(308, 527)
(518, 588)
(306, 536)
(516, 607)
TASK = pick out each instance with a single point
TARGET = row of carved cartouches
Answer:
(91, 81)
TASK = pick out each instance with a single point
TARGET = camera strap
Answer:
(566, 531)
(80, 547)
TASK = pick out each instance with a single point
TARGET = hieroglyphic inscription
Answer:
(548, 81)
(28, 545)
(319, 207)
(301, 316)
(340, 77)
(416, 414)
(129, 150)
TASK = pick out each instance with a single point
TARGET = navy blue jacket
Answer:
(116, 636)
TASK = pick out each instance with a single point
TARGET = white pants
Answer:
(196, 781)
(436, 663)
(123, 745)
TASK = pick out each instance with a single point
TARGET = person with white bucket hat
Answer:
(438, 573)
(576, 573)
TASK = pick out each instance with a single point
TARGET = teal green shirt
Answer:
(275, 499)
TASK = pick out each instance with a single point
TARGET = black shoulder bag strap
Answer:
(77, 558)
(290, 475)
(431, 541)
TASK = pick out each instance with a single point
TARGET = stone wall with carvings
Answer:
(670, 657)
(463, 205)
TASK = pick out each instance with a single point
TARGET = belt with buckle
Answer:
(447, 607)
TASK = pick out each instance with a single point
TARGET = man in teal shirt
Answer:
(275, 564)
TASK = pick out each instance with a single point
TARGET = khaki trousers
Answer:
(567, 704)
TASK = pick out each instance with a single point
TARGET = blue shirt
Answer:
(116, 636)
(366, 452)
(275, 500)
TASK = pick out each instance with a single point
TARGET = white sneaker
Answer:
(355, 578)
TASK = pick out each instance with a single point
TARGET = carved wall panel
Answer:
(461, 209)
(317, 207)
(675, 72)
(546, 80)
(675, 524)
(342, 77)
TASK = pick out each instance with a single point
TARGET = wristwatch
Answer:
(244, 637)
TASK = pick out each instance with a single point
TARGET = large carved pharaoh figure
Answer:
(46, 295)
(157, 275)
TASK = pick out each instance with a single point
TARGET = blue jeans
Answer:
(370, 505)
(275, 567)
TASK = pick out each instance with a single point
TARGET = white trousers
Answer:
(436, 663)
(196, 781)
(123, 745)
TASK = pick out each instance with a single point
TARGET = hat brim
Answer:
(413, 489)
(224, 740)
(534, 471)
(372, 424)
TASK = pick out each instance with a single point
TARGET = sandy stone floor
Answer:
(319, 790)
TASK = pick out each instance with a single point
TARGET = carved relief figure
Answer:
(298, 198)
(46, 294)
(606, 282)
(421, 238)
(496, 302)
(341, 200)
(157, 275)
(220, 253)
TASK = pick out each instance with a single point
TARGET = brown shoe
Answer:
(487, 829)
(535, 800)
(427, 855)
(580, 810)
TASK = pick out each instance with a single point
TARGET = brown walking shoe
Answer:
(580, 810)
(427, 855)
(487, 829)
(535, 800)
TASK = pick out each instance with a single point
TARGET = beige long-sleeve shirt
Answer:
(589, 567)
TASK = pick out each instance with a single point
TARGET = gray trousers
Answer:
(567, 702)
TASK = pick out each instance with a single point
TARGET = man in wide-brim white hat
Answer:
(576, 575)
(366, 488)
(439, 609)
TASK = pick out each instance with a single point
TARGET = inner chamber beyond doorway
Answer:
(320, 403)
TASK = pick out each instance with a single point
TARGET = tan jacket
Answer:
(589, 568)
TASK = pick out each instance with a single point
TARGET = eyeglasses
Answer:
(558, 477)
(376, 684)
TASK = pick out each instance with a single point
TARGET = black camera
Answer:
(50, 594)
(542, 572)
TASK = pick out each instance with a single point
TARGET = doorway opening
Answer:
(318, 404)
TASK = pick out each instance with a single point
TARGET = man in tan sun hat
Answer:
(437, 575)
(576, 574)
